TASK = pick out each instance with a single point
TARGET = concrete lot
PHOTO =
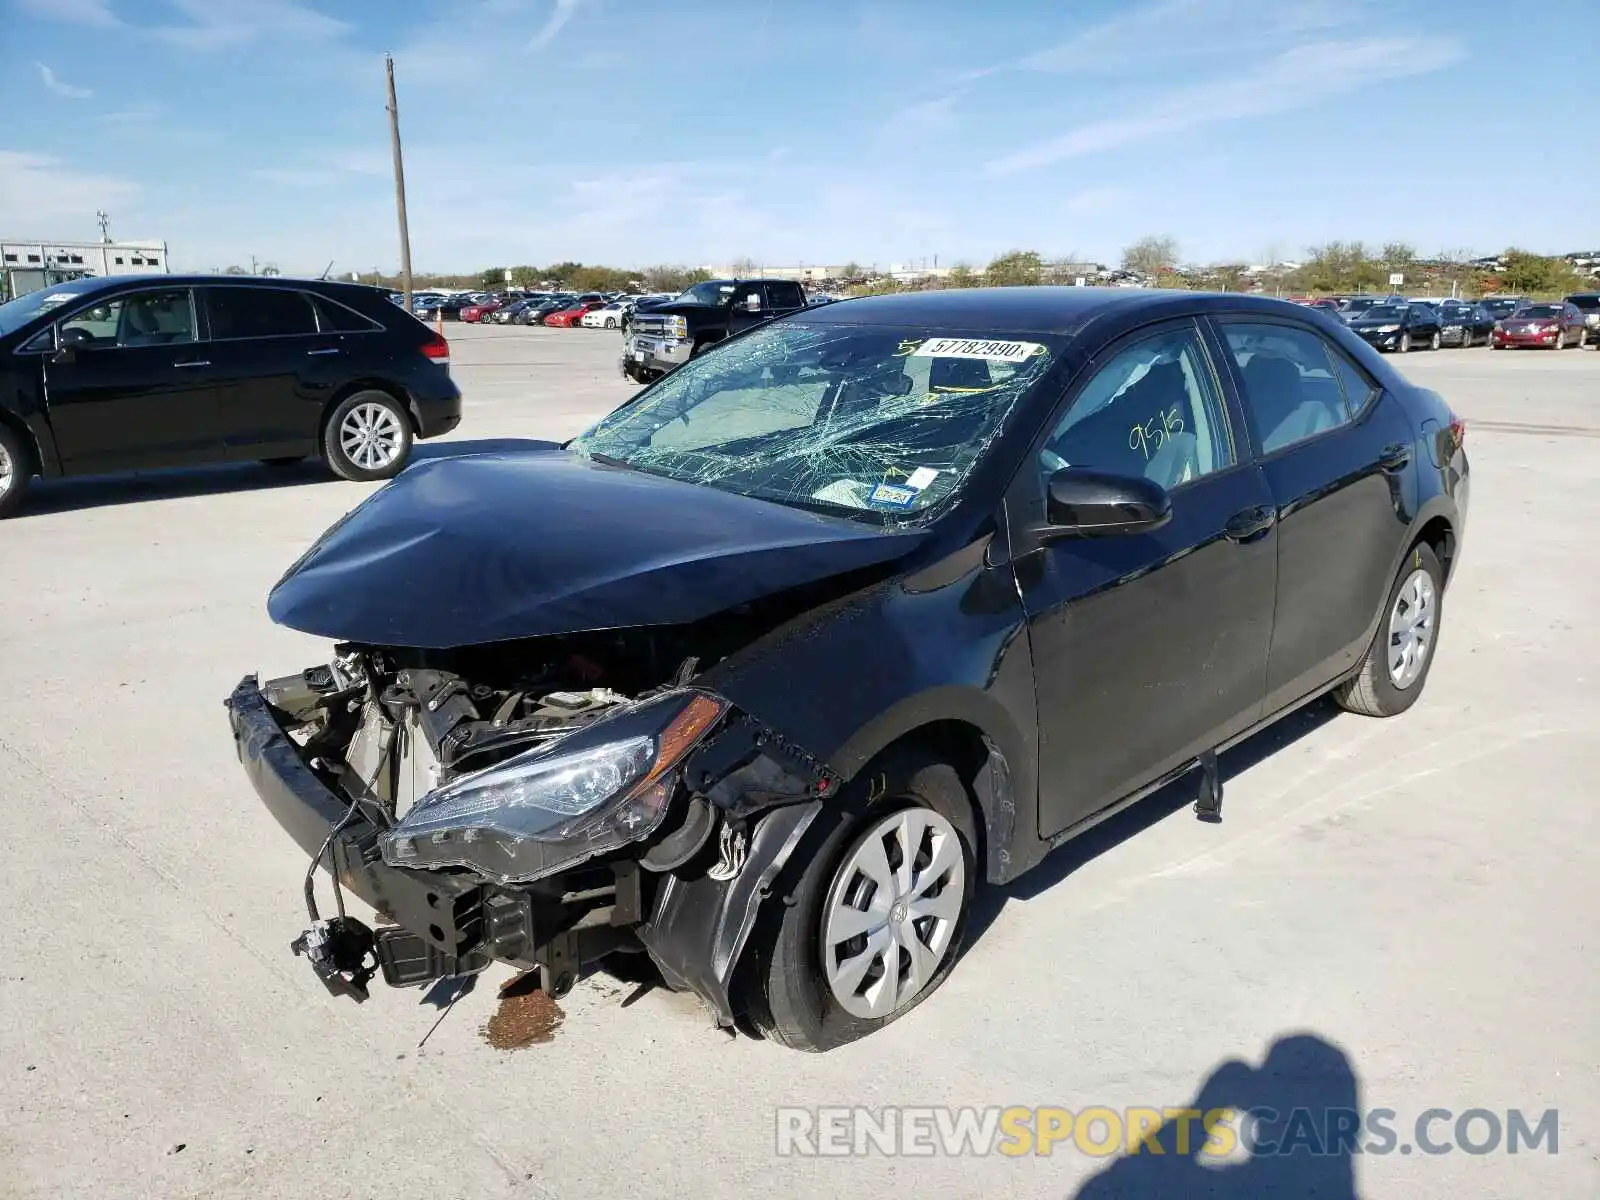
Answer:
(1418, 894)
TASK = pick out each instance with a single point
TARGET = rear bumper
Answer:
(437, 405)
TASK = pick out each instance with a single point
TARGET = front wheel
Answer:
(368, 437)
(611, 322)
(879, 914)
(1396, 665)
(1405, 343)
(16, 470)
(1437, 340)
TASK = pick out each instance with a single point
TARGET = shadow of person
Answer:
(1298, 1139)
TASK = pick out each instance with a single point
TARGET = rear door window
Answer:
(238, 312)
(1290, 380)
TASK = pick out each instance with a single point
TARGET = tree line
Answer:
(1332, 267)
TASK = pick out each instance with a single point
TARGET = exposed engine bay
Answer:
(546, 803)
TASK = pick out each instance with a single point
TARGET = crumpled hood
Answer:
(493, 547)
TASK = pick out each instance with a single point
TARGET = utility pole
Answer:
(399, 184)
(104, 218)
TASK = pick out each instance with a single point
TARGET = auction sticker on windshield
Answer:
(1013, 352)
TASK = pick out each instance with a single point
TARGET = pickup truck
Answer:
(668, 335)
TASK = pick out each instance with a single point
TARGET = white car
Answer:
(608, 317)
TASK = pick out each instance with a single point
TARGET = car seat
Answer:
(1284, 413)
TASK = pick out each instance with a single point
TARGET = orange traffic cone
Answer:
(438, 321)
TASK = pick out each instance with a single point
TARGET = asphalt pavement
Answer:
(1408, 905)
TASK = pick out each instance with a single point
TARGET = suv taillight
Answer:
(437, 349)
(1458, 434)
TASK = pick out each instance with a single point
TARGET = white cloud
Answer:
(32, 186)
(1294, 79)
(93, 13)
(921, 119)
(222, 24)
(554, 23)
(61, 87)
(1160, 34)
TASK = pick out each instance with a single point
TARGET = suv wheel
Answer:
(16, 470)
(368, 437)
(879, 913)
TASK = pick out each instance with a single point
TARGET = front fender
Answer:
(698, 927)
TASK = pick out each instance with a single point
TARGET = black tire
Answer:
(287, 461)
(14, 483)
(1371, 691)
(611, 322)
(340, 462)
(1405, 342)
(794, 1005)
(1436, 341)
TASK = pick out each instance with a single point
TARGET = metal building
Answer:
(27, 266)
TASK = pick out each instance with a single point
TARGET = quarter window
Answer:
(238, 312)
(1294, 384)
(1153, 410)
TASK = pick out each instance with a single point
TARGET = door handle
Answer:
(1249, 524)
(198, 362)
(1395, 457)
(329, 350)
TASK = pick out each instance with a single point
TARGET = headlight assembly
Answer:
(678, 327)
(1388, 329)
(549, 809)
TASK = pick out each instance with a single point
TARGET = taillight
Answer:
(437, 349)
(1458, 434)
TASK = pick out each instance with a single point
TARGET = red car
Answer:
(477, 312)
(1551, 326)
(568, 317)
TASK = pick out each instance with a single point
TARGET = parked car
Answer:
(478, 311)
(1588, 303)
(1464, 325)
(1352, 309)
(566, 318)
(553, 304)
(1553, 326)
(1400, 327)
(126, 373)
(670, 334)
(607, 316)
(1501, 307)
(772, 689)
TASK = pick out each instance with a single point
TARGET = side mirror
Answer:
(66, 352)
(1098, 504)
(752, 302)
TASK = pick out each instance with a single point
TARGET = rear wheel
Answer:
(879, 913)
(16, 470)
(368, 437)
(611, 322)
(1396, 665)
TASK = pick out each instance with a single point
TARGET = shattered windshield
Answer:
(880, 424)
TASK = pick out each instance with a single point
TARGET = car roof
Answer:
(1063, 310)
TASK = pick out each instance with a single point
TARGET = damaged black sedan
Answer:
(769, 671)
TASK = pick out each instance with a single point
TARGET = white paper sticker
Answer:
(921, 477)
(1013, 352)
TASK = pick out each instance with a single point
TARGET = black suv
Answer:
(668, 335)
(126, 373)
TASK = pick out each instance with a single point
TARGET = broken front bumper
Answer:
(444, 923)
(764, 795)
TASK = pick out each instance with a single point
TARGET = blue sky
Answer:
(704, 131)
